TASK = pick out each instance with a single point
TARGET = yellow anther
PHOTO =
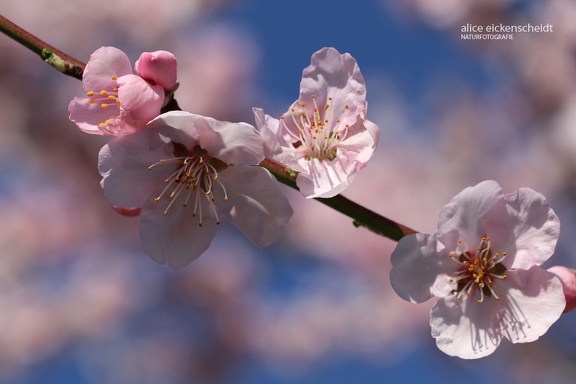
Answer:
(104, 106)
(103, 92)
(90, 93)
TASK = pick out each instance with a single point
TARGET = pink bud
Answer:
(158, 67)
(567, 277)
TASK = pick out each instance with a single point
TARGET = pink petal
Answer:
(104, 64)
(88, 116)
(259, 207)
(141, 99)
(158, 67)
(335, 75)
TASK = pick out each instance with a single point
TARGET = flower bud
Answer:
(158, 67)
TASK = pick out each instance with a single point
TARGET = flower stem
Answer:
(68, 65)
(54, 57)
(362, 217)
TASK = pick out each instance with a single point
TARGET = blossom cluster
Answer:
(182, 173)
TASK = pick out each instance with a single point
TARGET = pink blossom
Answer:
(325, 135)
(483, 265)
(186, 172)
(118, 101)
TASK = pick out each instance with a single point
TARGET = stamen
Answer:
(477, 270)
(194, 175)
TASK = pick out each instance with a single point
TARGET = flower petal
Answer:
(124, 162)
(176, 238)
(418, 273)
(259, 206)
(268, 128)
(88, 116)
(105, 63)
(233, 143)
(324, 179)
(338, 76)
(141, 99)
(461, 219)
(536, 227)
(462, 328)
(531, 301)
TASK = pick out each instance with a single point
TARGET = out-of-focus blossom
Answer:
(567, 277)
(186, 172)
(483, 265)
(325, 135)
(120, 102)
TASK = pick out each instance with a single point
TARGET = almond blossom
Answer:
(186, 172)
(483, 265)
(324, 135)
(119, 102)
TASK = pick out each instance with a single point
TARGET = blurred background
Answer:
(81, 303)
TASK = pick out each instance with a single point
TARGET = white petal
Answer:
(534, 302)
(259, 206)
(175, 239)
(233, 143)
(418, 272)
(536, 227)
(324, 178)
(124, 162)
(531, 301)
(461, 218)
(462, 328)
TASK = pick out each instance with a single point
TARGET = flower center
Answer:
(106, 98)
(195, 178)
(317, 133)
(477, 270)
